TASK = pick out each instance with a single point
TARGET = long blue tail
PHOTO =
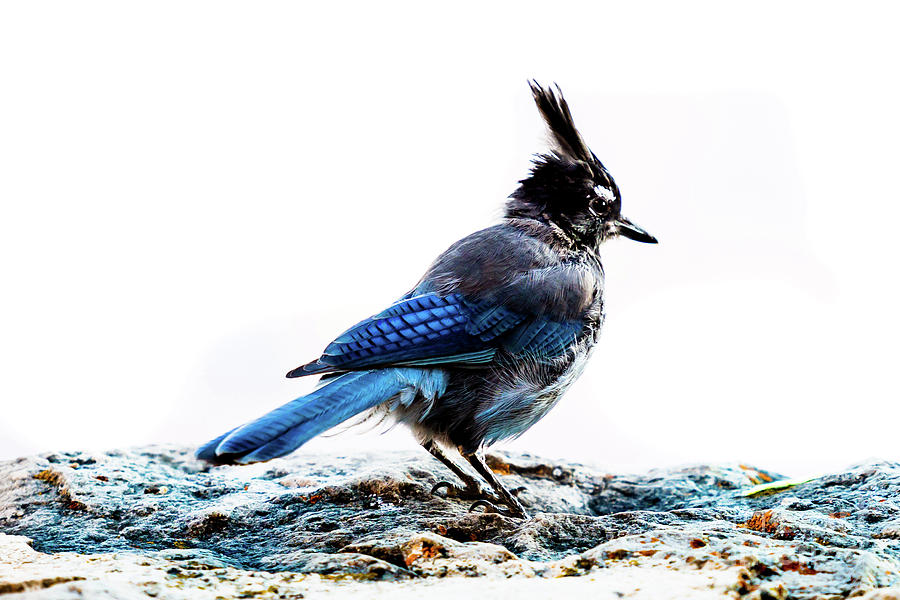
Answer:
(290, 426)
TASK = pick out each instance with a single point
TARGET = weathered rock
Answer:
(295, 525)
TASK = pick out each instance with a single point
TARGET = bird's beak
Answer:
(633, 232)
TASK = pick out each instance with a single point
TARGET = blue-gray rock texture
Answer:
(373, 517)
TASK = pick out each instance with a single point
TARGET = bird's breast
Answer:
(528, 392)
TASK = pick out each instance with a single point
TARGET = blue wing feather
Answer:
(429, 329)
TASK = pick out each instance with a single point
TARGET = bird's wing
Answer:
(421, 329)
(452, 329)
(496, 290)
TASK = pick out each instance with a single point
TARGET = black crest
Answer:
(567, 142)
(565, 136)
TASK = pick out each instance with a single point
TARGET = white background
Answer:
(198, 196)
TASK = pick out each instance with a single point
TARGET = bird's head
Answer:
(569, 187)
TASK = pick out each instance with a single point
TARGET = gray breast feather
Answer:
(528, 394)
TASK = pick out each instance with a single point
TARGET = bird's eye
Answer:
(605, 194)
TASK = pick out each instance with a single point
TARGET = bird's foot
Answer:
(451, 490)
(514, 510)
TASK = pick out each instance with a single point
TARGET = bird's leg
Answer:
(472, 488)
(514, 508)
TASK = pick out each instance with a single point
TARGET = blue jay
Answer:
(486, 342)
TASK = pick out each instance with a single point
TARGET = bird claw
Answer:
(454, 491)
(491, 508)
(443, 484)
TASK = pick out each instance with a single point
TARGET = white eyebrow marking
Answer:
(604, 192)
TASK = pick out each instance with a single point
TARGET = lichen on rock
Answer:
(310, 523)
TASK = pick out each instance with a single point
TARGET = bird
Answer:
(486, 342)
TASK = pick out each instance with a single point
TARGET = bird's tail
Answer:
(288, 427)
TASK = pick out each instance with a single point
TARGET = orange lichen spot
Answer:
(48, 476)
(54, 478)
(793, 565)
(647, 552)
(767, 522)
(697, 543)
(839, 515)
(500, 468)
(763, 521)
(755, 475)
(424, 549)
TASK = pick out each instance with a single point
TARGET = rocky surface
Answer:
(153, 522)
